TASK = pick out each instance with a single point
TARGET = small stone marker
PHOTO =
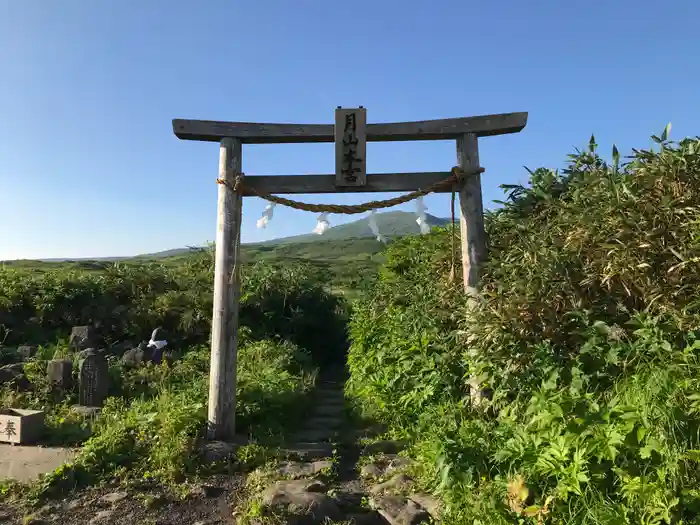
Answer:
(20, 426)
(59, 373)
(82, 337)
(27, 351)
(93, 380)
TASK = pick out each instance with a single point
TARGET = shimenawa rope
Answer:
(456, 175)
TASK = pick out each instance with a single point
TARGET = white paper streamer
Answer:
(420, 213)
(372, 220)
(322, 224)
(266, 216)
(157, 344)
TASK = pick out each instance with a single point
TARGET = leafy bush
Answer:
(584, 336)
(404, 352)
(156, 414)
(289, 300)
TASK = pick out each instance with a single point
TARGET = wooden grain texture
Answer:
(376, 182)
(351, 144)
(261, 133)
(224, 337)
(471, 220)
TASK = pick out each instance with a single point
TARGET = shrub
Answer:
(584, 334)
(127, 300)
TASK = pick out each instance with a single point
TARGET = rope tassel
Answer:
(422, 219)
(266, 216)
(372, 221)
(322, 224)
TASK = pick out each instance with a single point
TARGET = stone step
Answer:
(310, 451)
(329, 394)
(327, 409)
(323, 421)
(314, 434)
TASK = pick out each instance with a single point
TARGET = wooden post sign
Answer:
(350, 134)
(350, 147)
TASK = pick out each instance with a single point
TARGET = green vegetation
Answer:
(154, 435)
(583, 343)
(151, 426)
(346, 263)
(567, 393)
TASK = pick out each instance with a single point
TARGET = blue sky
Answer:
(89, 165)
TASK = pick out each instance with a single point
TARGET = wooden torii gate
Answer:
(350, 134)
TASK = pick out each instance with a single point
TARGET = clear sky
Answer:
(89, 165)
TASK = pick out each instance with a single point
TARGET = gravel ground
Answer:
(212, 503)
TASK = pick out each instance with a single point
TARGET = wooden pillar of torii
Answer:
(349, 177)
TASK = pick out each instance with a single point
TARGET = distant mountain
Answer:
(391, 224)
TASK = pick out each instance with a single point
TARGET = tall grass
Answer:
(584, 340)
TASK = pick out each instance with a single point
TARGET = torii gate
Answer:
(350, 134)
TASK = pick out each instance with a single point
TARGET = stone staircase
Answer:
(321, 428)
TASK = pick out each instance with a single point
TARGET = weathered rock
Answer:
(397, 483)
(429, 503)
(82, 337)
(303, 501)
(101, 517)
(112, 498)
(399, 510)
(59, 373)
(299, 470)
(384, 447)
(214, 451)
(134, 357)
(26, 351)
(371, 470)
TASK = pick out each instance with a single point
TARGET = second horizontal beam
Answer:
(377, 182)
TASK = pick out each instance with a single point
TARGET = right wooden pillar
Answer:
(471, 221)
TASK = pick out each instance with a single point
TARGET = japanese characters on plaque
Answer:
(8, 431)
(350, 147)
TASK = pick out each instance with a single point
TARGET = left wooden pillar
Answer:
(221, 421)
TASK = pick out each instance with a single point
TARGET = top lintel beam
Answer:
(258, 133)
